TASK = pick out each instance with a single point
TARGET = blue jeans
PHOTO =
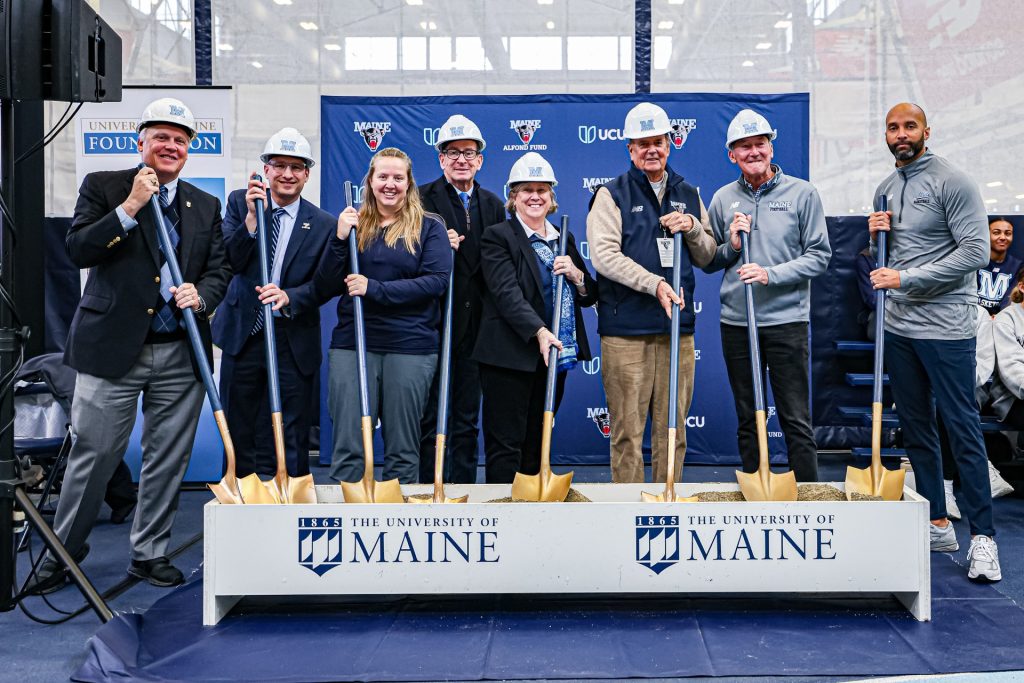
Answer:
(930, 374)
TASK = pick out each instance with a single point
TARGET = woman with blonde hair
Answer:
(404, 262)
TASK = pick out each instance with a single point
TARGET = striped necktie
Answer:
(164, 320)
(275, 234)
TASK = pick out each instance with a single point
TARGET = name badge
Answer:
(666, 250)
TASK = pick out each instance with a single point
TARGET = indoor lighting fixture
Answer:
(748, 63)
(990, 201)
(994, 183)
(414, 2)
(308, 25)
(333, 47)
(666, 25)
(545, 2)
(762, 46)
(256, 65)
(783, 23)
(283, 2)
(550, 25)
(676, 2)
(225, 47)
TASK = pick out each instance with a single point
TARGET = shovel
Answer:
(669, 494)
(877, 480)
(365, 490)
(442, 405)
(763, 484)
(230, 490)
(546, 486)
(282, 487)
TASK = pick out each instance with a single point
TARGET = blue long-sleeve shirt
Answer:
(402, 305)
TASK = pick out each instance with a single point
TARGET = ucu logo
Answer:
(592, 367)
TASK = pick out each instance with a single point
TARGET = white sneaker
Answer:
(984, 557)
(1000, 487)
(943, 539)
(952, 510)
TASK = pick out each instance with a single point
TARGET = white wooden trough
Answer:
(616, 544)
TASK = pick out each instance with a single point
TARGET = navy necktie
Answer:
(164, 320)
(464, 196)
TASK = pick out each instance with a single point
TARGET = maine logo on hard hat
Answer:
(287, 145)
(646, 125)
(750, 128)
(536, 171)
(176, 110)
(657, 541)
(319, 543)
(373, 132)
(456, 131)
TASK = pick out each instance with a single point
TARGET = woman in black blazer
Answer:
(519, 262)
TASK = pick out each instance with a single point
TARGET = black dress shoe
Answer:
(51, 576)
(158, 572)
(121, 513)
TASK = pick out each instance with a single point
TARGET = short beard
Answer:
(915, 149)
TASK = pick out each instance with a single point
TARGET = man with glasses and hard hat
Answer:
(629, 228)
(466, 209)
(297, 233)
(788, 246)
(128, 337)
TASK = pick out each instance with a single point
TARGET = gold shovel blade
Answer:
(225, 493)
(419, 500)
(535, 487)
(369, 491)
(255, 492)
(301, 490)
(889, 485)
(762, 486)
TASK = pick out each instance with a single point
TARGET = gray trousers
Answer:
(398, 388)
(102, 418)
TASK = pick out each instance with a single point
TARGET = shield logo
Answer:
(657, 542)
(430, 136)
(587, 134)
(319, 543)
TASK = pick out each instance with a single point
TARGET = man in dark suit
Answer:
(128, 336)
(466, 209)
(297, 232)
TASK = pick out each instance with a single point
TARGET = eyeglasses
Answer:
(281, 167)
(454, 154)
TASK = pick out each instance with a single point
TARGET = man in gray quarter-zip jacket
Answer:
(938, 239)
(788, 246)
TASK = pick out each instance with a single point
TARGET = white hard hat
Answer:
(646, 120)
(168, 110)
(458, 127)
(747, 124)
(290, 143)
(531, 168)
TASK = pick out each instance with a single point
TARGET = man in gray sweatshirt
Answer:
(938, 239)
(788, 246)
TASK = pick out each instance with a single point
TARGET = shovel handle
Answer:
(882, 244)
(191, 326)
(673, 356)
(755, 348)
(269, 337)
(556, 322)
(357, 311)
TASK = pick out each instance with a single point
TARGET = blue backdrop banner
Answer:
(581, 136)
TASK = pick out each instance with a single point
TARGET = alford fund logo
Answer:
(657, 542)
(118, 136)
(373, 132)
(602, 420)
(680, 130)
(526, 131)
(592, 184)
(320, 543)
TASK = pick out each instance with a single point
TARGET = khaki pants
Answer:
(636, 380)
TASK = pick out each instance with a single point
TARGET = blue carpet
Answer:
(528, 637)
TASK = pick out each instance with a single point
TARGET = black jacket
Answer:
(514, 303)
(117, 307)
(485, 208)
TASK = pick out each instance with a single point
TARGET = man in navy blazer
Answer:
(301, 231)
(467, 209)
(128, 338)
